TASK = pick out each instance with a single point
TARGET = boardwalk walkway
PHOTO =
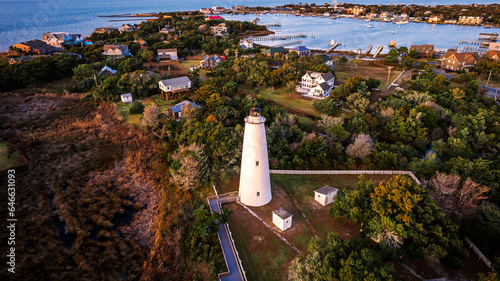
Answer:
(235, 270)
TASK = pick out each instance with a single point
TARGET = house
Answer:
(494, 47)
(167, 54)
(246, 43)
(493, 55)
(174, 87)
(102, 30)
(273, 51)
(356, 10)
(87, 42)
(177, 110)
(214, 18)
(34, 46)
(126, 98)
(116, 51)
(424, 51)
(327, 60)
(142, 43)
(219, 30)
(302, 51)
(20, 59)
(435, 18)
(205, 10)
(282, 219)
(316, 84)
(217, 10)
(107, 71)
(456, 61)
(128, 28)
(56, 39)
(211, 61)
(325, 194)
(167, 30)
(192, 68)
(470, 20)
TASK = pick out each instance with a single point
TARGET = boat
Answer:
(399, 27)
(367, 20)
(332, 42)
(393, 32)
(369, 26)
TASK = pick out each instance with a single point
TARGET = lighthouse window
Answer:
(258, 193)
(256, 163)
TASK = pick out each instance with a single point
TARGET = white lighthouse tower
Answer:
(255, 183)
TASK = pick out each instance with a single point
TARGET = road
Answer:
(490, 91)
(441, 71)
(232, 264)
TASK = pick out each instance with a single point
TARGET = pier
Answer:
(288, 43)
(274, 24)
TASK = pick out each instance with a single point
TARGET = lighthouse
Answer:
(255, 183)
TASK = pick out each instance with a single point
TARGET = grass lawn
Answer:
(365, 69)
(9, 160)
(135, 119)
(187, 63)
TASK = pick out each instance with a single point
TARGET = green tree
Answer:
(136, 108)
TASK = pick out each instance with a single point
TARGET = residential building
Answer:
(167, 54)
(451, 21)
(435, 18)
(282, 219)
(316, 84)
(214, 18)
(142, 42)
(456, 61)
(273, 51)
(172, 88)
(107, 71)
(56, 39)
(356, 10)
(494, 46)
(211, 61)
(217, 10)
(128, 28)
(20, 59)
(178, 110)
(103, 30)
(34, 46)
(126, 98)
(470, 20)
(328, 61)
(246, 44)
(424, 51)
(116, 51)
(167, 30)
(493, 55)
(302, 51)
(325, 195)
(219, 30)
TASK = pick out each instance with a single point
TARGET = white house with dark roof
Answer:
(282, 219)
(302, 51)
(128, 28)
(56, 39)
(219, 30)
(116, 51)
(174, 85)
(325, 194)
(316, 84)
(246, 43)
(167, 54)
(177, 110)
(126, 98)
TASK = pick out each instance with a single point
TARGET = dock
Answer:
(278, 37)
(288, 43)
(332, 47)
(274, 24)
(378, 51)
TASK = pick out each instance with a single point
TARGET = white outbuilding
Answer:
(325, 195)
(126, 98)
(282, 219)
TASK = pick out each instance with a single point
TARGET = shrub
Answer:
(136, 108)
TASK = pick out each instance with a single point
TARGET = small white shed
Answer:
(126, 98)
(325, 195)
(282, 219)
(192, 68)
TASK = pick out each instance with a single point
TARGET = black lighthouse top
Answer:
(255, 112)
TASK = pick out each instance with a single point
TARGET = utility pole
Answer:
(487, 82)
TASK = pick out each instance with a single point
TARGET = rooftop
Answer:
(178, 107)
(325, 190)
(176, 82)
(280, 212)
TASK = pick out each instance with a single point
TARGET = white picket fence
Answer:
(344, 172)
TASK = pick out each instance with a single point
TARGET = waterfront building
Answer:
(273, 51)
(472, 20)
(451, 21)
(57, 39)
(456, 61)
(34, 46)
(435, 18)
(173, 88)
(424, 51)
(494, 47)
(246, 43)
(102, 30)
(116, 51)
(316, 84)
(302, 51)
(493, 55)
(167, 54)
(255, 182)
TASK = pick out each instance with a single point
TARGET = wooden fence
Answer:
(478, 252)
(344, 172)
